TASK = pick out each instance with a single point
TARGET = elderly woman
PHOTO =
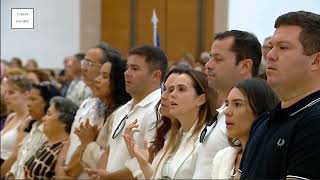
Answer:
(38, 98)
(56, 126)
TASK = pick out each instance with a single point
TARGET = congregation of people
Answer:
(241, 111)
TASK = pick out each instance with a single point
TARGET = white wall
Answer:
(258, 16)
(56, 32)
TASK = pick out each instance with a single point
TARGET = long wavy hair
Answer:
(119, 96)
(205, 114)
(163, 124)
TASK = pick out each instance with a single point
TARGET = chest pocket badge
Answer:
(281, 142)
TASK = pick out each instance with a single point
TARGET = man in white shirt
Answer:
(235, 55)
(77, 91)
(146, 67)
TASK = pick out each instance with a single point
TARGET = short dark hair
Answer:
(79, 56)
(155, 58)
(47, 91)
(106, 48)
(310, 24)
(66, 109)
(246, 46)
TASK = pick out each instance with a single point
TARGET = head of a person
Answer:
(37, 76)
(191, 95)
(16, 62)
(146, 68)
(110, 83)
(39, 97)
(15, 94)
(293, 63)
(163, 124)
(12, 72)
(73, 65)
(31, 64)
(3, 69)
(266, 47)
(235, 55)
(247, 100)
(167, 87)
(92, 62)
(59, 117)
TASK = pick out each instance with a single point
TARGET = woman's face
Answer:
(102, 82)
(184, 99)
(239, 114)
(13, 97)
(36, 104)
(51, 122)
(168, 87)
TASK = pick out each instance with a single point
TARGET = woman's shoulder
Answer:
(227, 151)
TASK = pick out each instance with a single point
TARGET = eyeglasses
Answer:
(87, 63)
(120, 127)
(203, 134)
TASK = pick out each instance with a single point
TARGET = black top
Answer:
(42, 164)
(285, 142)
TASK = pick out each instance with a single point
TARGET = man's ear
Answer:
(315, 66)
(156, 75)
(246, 66)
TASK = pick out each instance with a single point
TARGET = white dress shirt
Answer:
(145, 113)
(92, 109)
(216, 140)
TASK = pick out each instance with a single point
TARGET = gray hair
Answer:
(66, 109)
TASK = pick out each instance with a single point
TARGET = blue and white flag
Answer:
(154, 20)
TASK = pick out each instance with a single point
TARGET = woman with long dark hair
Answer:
(247, 100)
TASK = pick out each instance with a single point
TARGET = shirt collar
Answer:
(298, 106)
(153, 96)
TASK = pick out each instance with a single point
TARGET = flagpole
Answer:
(154, 20)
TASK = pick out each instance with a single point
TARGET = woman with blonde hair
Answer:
(15, 99)
(192, 105)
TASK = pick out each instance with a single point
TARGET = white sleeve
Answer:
(92, 155)
(216, 166)
(148, 126)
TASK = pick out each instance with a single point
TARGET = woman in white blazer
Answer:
(246, 101)
(192, 104)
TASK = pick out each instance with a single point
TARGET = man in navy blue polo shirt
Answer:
(285, 143)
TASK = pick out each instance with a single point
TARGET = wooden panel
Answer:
(208, 25)
(144, 26)
(115, 23)
(181, 28)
